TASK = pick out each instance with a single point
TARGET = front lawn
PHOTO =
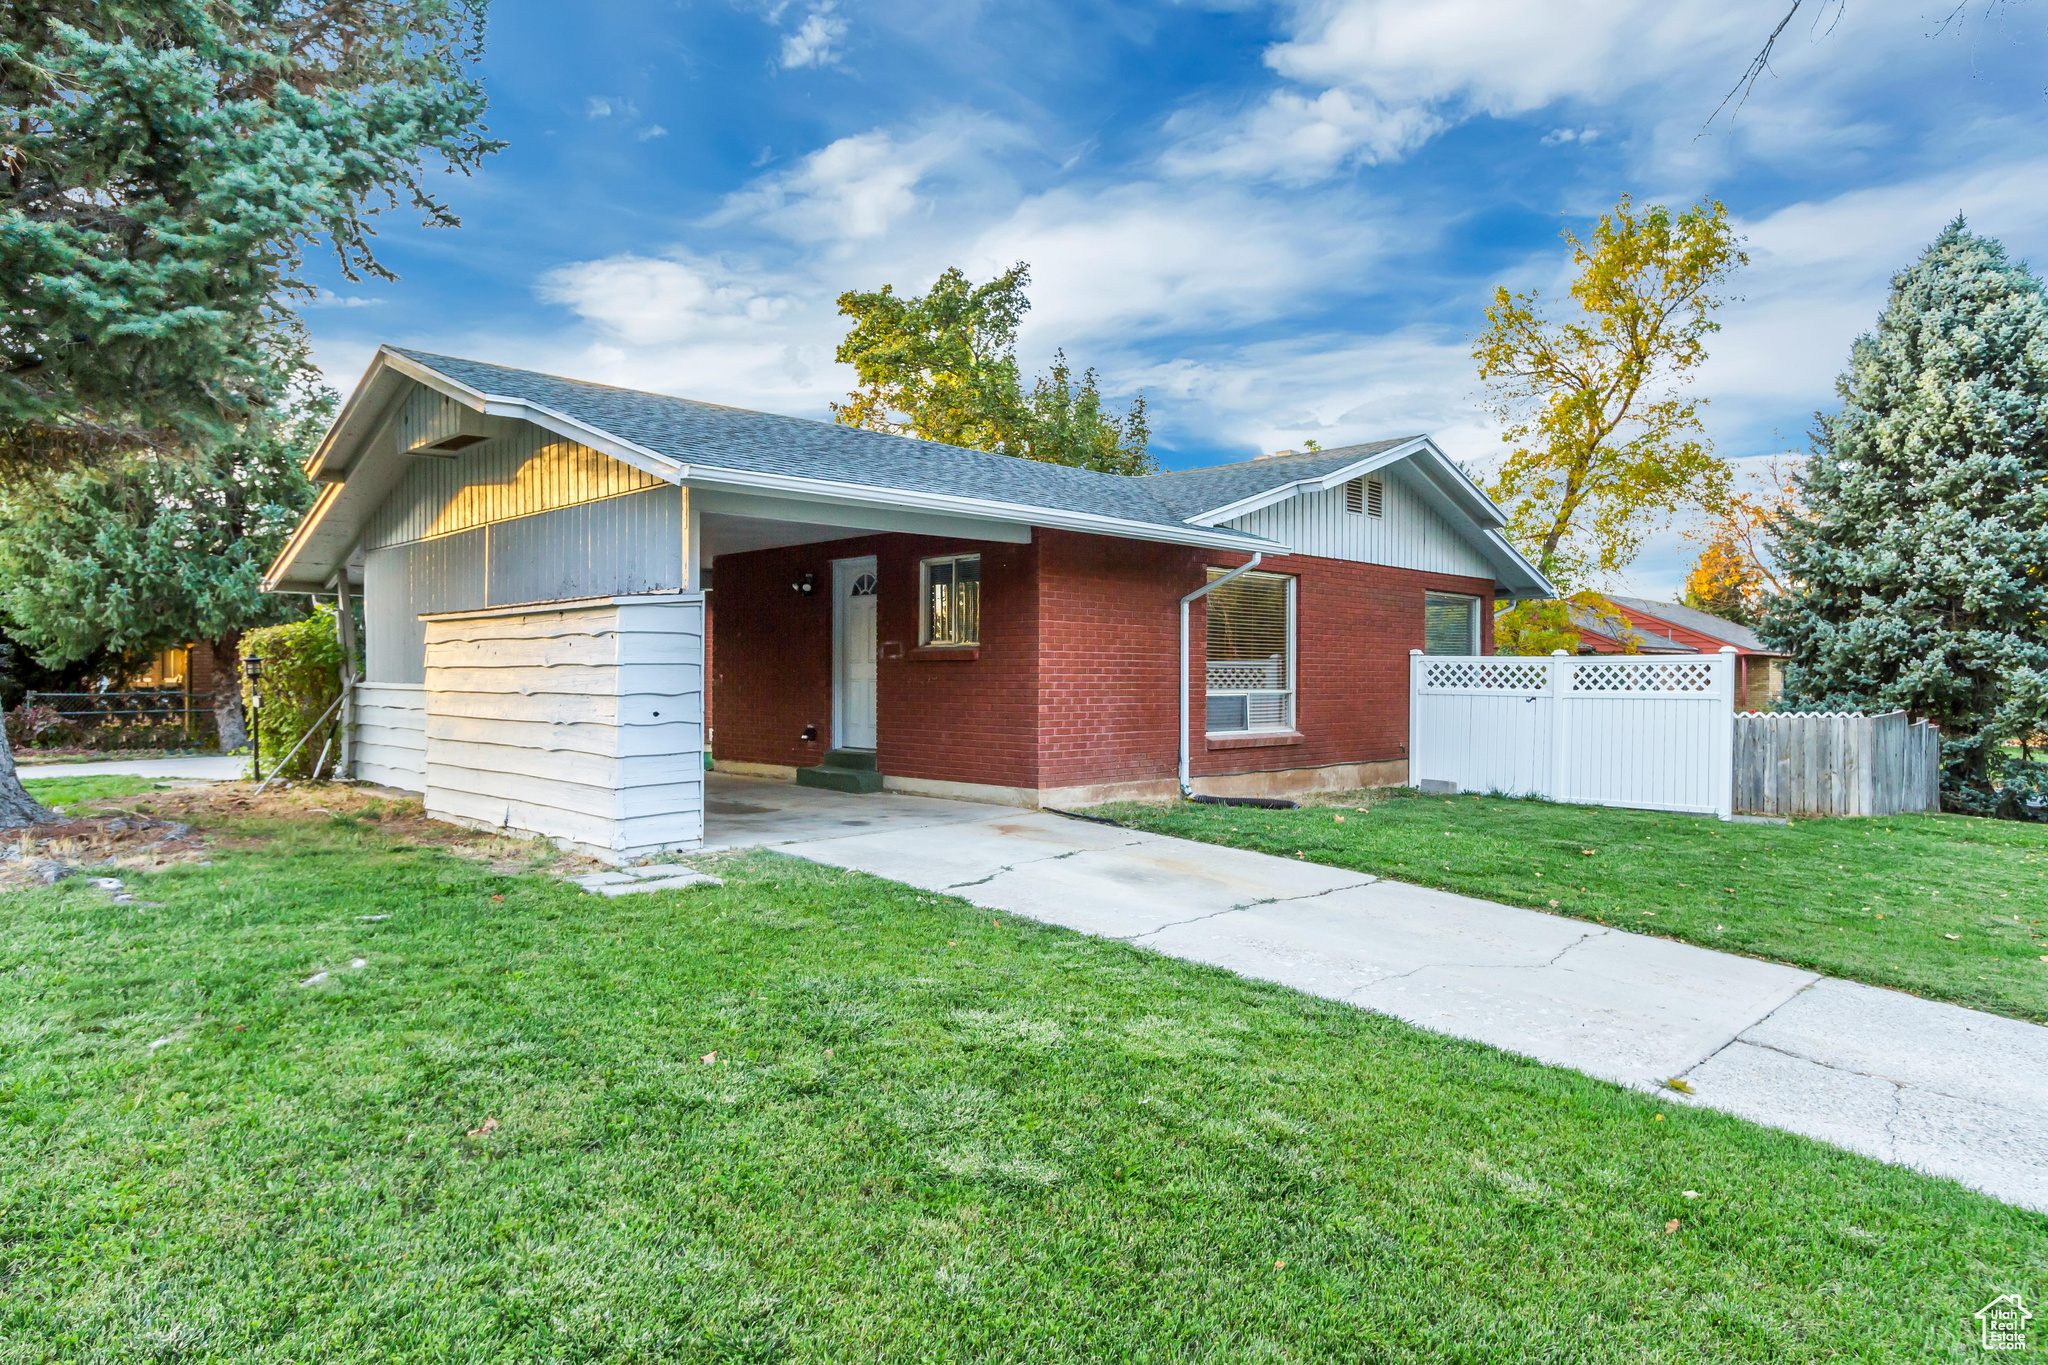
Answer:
(814, 1116)
(70, 791)
(1945, 906)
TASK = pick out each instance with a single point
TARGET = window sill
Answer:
(1256, 739)
(947, 653)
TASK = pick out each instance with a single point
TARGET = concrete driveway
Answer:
(1946, 1090)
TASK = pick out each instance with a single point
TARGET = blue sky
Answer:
(1280, 222)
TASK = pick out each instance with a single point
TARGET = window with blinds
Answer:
(952, 600)
(1251, 653)
(1365, 497)
(1450, 624)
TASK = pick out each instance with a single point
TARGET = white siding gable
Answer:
(1408, 535)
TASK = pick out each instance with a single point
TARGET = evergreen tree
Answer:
(165, 166)
(166, 163)
(160, 550)
(1919, 561)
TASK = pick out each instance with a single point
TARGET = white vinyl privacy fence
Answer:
(1654, 732)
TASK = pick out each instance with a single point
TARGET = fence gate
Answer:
(1655, 732)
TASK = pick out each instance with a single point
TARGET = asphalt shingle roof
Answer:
(1190, 492)
(1728, 632)
(716, 436)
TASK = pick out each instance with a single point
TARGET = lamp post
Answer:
(252, 669)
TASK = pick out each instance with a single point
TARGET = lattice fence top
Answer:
(1486, 675)
(1642, 677)
(1653, 676)
(1247, 675)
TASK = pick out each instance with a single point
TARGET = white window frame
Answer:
(1291, 694)
(924, 602)
(1472, 599)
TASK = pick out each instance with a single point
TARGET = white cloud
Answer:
(1506, 56)
(604, 106)
(811, 44)
(865, 185)
(1112, 263)
(1294, 138)
(1819, 275)
(652, 301)
(1333, 388)
(1369, 81)
(650, 132)
(724, 331)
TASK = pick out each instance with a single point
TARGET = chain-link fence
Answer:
(150, 719)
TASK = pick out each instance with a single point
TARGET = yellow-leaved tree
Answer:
(1607, 445)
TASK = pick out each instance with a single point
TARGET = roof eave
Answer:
(1025, 514)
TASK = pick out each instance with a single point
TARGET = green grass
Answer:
(1949, 907)
(927, 1134)
(69, 791)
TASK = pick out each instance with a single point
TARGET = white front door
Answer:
(853, 653)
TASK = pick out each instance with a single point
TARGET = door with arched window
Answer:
(853, 652)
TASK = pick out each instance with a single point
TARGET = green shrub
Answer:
(301, 679)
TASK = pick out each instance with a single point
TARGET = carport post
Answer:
(1186, 786)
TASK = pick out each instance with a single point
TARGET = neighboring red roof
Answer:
(1670, 623)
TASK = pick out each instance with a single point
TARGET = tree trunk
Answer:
(227, 693)
(17, 807)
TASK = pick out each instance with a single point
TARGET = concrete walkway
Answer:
(1946, 1090)
(198, 767)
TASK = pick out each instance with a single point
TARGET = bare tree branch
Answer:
(1752, 73)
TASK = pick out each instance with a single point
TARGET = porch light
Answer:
(806, 585)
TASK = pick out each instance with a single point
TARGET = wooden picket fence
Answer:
(1835, 764)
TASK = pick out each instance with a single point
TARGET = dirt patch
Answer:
(234, 815)
(44, 854)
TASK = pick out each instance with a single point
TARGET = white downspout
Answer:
(1186, 788)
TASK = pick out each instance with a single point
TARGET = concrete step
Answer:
(840, 779)
(862, 760)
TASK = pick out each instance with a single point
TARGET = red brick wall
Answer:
(1109, 656)
(943, 717)
(1109, 660)
(771, 657)
(1354, 626)
(1075, 679)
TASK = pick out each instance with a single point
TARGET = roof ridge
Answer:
(1304, 456)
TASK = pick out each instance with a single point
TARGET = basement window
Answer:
(1450, 624)
(951, 599)
(1251, 654)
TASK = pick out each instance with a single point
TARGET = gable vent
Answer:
(1367, 497)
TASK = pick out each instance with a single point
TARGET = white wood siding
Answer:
(390, 745)
(581, 722)
(1410, 534)
(511, 476)
(629, 544)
